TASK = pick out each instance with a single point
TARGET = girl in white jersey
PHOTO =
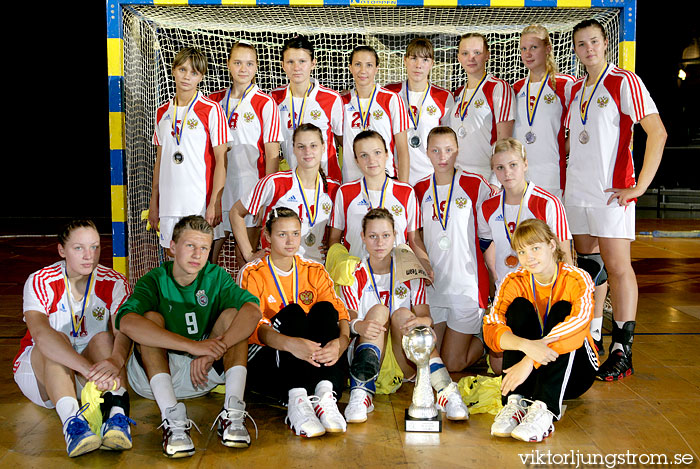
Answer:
(375, 189)
(69, 308)
(600, 180)
(370, 106)
(254, 121)
(377, 299)
(540, 110)
(483, 110)
(449, 200)
(305, 190)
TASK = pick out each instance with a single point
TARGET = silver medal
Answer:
(414, 141)
(462, 132)
(530, 137)
(444, 243)
(310, 239)
(178, 158)
(583, 137)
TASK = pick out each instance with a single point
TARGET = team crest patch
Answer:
(306, 297)
(378, 114)
(99, 313)
(248, 117)
(401, 291)
(202, 299)
(478, 103)
(192, 124)
(603, 101)
(549, 98)
(397, 210)
(460, 202)
(315, 114)
(431, 110)
(326, 206)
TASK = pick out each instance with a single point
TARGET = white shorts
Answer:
(459, 319)
(166, 230)
(602, 222)
(180, 373)
(27, 382)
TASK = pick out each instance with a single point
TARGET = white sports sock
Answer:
(163, 391)
(67, 407)
(235, 382)
(439, 376)
(597, 328)
(323, 387)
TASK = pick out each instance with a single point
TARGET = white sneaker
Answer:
(176, 432)
(301, 416)
(536, 425)
(328, 414)
(359, 406)
(449, 400)
(509, 417)
(231, 424)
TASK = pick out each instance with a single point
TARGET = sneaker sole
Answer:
(235, 444)
(501, 435)
(305, 435)
(617, 377)
(115, 441)
(335, 430)
(179, 454)
(535, 440)
(458, 419)
(87, 445)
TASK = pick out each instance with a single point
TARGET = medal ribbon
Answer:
(442, 217)
(391, 284)
(77, 323)
(586, 104)
(503, 210)
(317, 195)
(278, 282)
(365, 117)
(296, 124)
(228, 101)
(415, 119)
(176, 131)
(549, 300)
(532, 110)
(463, 107)
(382, 196)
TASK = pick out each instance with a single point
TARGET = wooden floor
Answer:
(654, 413)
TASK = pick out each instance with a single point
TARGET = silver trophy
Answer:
(422, 415)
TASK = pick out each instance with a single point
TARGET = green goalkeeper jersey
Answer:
(189, 311)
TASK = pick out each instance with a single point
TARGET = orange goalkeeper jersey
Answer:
(314, 285)
(572, 285)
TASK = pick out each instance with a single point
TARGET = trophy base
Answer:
(427, 425)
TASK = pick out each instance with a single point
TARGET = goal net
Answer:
(154, 34)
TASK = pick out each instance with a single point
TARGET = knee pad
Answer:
(365, 367)
(593, 264)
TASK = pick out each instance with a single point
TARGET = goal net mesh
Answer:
(154, 34)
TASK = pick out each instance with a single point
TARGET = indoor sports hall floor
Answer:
(651, 416)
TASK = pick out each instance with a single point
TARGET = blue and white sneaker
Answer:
(79, 438)
(116, 434)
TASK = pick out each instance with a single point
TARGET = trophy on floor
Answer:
(422, 415)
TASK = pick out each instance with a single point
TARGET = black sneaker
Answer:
(617, 366)
(599, 346)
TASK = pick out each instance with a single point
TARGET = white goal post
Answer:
(144, 36)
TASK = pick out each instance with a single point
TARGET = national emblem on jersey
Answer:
(202, 298)
(401, 292)
(306, 297)
(478, 103)
(549, 98)
(315, 114)
(397, 210)
(461, 202)
(603, 101)
(378, 114)
(248, 117)
(99, 313)
(327, 207)
(431, 110)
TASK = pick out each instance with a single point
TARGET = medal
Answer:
(530, 137)
(414, 141)
(278, 283)
(364, 116)
(178, 158)
(461, 132)
(77, 322)
(444, 243)
(511, 261)
(310, 239)
(583, 137)
(415, 118)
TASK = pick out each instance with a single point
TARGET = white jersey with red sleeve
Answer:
(491, 104)
(45, 291)
(361, 295)
(605, 160)
(187, 168)
(387, 116)
(282, 189)
(254, 121)
(537, 203)
(352, 204)
(460, 272)
(324, 109)
(432, 112)
(546, 155)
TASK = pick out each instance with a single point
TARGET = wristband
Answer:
(352, 326)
